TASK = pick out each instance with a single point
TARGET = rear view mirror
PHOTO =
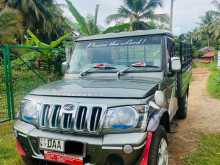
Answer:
(175, 64)
(64, 67)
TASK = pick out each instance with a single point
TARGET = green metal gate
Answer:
(18, 75)
(6, 92)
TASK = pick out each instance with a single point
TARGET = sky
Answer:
(187, 13)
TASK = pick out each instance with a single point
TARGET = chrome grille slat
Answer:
(71, 117)
(53, 121)
(95, 118)
(67, 118)
(44, 115)
(81, 118)
(57, 115)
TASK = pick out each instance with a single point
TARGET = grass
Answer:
(8, 155)
(214, 82)
(208, 152)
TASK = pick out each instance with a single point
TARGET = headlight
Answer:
(126, 118)
(29, 111)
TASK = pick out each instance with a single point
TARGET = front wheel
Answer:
(30, 161)
(159, 148)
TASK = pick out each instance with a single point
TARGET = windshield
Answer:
(144, 53)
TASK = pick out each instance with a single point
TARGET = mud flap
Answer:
(20, 149)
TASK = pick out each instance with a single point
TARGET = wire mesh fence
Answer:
(29, 73)
(22, 69)
(3, 95)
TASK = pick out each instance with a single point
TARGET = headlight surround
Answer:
(126, 119)
(29, 111)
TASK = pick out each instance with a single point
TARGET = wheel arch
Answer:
(159, 118)
(165, 121)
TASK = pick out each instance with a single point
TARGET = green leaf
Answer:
(118, 28)
(79, 18)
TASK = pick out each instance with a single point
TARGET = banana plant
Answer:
(34, 41)
(51, 54)
(87, 25)
(44, 48)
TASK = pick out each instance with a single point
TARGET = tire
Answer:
(31, 161)
(114, 160)
(183, 107)
(158, 154)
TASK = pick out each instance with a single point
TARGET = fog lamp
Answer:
(128, 149)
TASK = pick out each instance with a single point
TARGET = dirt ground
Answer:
(203, 116)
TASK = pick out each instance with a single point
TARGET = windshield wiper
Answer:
(147, 66)
(134, 66)
(97, 66)
(123, 71)
(143, 65)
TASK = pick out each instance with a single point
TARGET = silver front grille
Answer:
(72, 118)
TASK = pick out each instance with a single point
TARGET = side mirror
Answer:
(159, 98)
(175, 64)
(64, 67)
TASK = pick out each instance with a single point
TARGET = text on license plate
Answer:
(51, 144)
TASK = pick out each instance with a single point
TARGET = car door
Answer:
(170, 80)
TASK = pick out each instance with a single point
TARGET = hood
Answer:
(98, 88)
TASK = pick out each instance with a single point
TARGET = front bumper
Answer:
(98, 149)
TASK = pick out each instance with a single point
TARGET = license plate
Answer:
(63, 158)
(51, 144)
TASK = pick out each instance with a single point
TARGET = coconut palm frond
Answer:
(118, 28)
(91, 24)
(116, 17)
(164, 18)
(125, 11)
(216, 4)
(152, 4)
(79, 18)
(135, 5)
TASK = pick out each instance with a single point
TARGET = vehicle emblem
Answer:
(68, 107)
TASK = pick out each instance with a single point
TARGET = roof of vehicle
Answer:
(125, 34)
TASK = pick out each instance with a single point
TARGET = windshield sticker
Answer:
(118, 42)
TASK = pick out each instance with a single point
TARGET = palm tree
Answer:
(86, 25)
(11, 26)
(138, 13)
(206, 27)
(208, 32)
(126, 27)
(208, 18)
(217, 6)
(32, 9)
(2, 4)
(118, 28)
(215, 26)
(44, 18)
